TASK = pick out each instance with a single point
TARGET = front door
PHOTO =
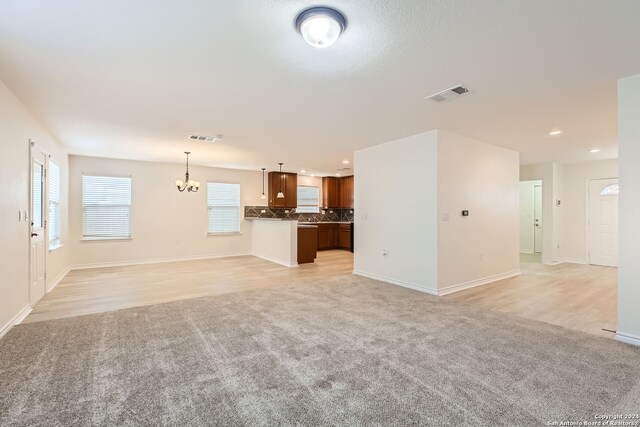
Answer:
(603, 222)
(38, 247)
(537, 219)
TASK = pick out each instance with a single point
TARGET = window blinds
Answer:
(54, 204)
(223, 203)
(106, 206)
(308, 199)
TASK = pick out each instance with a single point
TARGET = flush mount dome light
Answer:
(320, 26)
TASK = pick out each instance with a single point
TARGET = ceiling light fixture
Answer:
(320, 26)
(555, 132)
(263, 196)
(303, 171)
(345, 162)
(188, 184)
(595, 150)
(280, 194)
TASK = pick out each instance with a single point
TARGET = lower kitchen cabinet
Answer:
(334, 236)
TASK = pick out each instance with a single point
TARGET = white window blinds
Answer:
(106, 207)
(223, 203)
(54, 205)
(308, 199)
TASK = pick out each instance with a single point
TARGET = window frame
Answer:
(130, 206)
(56, 243)
(210, 206)
(316, 206)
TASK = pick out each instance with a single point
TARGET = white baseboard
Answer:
(16, 320)
(478, 282)
(286, 263)
(628, 338)
(58, 279)
(153, 261)
(413, 286)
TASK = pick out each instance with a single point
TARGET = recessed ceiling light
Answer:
(320, 26)
(337, 173)
(303, 171)
(312, 175)
(345, 162)
(555, 132)
(595, 150)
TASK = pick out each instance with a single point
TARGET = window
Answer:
(106, 207)
(308, 199)
(54, 205)
(223, 203)
(610, 190)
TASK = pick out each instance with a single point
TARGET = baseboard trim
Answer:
(153, 261)
(628, 338)
(276, 260)
(57, 280)
(396, 282)
(17, 319)
(478, 282)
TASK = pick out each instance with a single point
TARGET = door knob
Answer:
(34, 234)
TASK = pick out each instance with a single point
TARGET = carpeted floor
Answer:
(343, 351)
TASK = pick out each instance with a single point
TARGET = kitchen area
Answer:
(303, 215)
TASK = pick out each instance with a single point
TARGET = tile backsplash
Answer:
(325, 215)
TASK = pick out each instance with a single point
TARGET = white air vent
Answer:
(205, 138)
(449, 94)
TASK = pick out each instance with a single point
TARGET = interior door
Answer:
(603, 222)
(38, 247)
(537, 219)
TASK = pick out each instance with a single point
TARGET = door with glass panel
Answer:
(38, 247)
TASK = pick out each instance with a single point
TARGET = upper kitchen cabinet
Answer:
(337, 192)
(330, 193)
(288, 184)
(346, 192)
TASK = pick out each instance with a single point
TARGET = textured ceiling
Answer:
(132, 79)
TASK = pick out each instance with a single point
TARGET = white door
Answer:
(38, 247)
(603, 222)
(537, 219)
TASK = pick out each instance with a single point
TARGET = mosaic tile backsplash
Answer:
(325, 215)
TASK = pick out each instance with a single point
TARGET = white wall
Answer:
(275, 241)
(527, 214)
(396, 210)
(575, 207)
(629, 270)
(17, 126)
(482, 179)
(166, 224)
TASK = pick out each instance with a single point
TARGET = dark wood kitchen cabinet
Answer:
(337, 193)
(346, 192)
(307, 243)
(330, 192)
(327, 236)
(288, 184)
(344, 236)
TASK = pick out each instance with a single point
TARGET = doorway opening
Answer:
(531, 221)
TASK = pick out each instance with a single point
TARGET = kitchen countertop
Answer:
(300, 222)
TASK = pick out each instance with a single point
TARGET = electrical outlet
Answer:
(263, 211)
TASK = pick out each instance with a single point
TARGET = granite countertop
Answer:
(326, 222)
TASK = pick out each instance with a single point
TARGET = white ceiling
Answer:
(132, 79)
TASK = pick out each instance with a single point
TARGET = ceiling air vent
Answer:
(205, 138)
(449, 94)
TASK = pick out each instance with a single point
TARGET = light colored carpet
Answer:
(343, 351)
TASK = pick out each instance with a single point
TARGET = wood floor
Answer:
(581, 297)
(113, 288)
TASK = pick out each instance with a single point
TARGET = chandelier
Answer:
(188, 184)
